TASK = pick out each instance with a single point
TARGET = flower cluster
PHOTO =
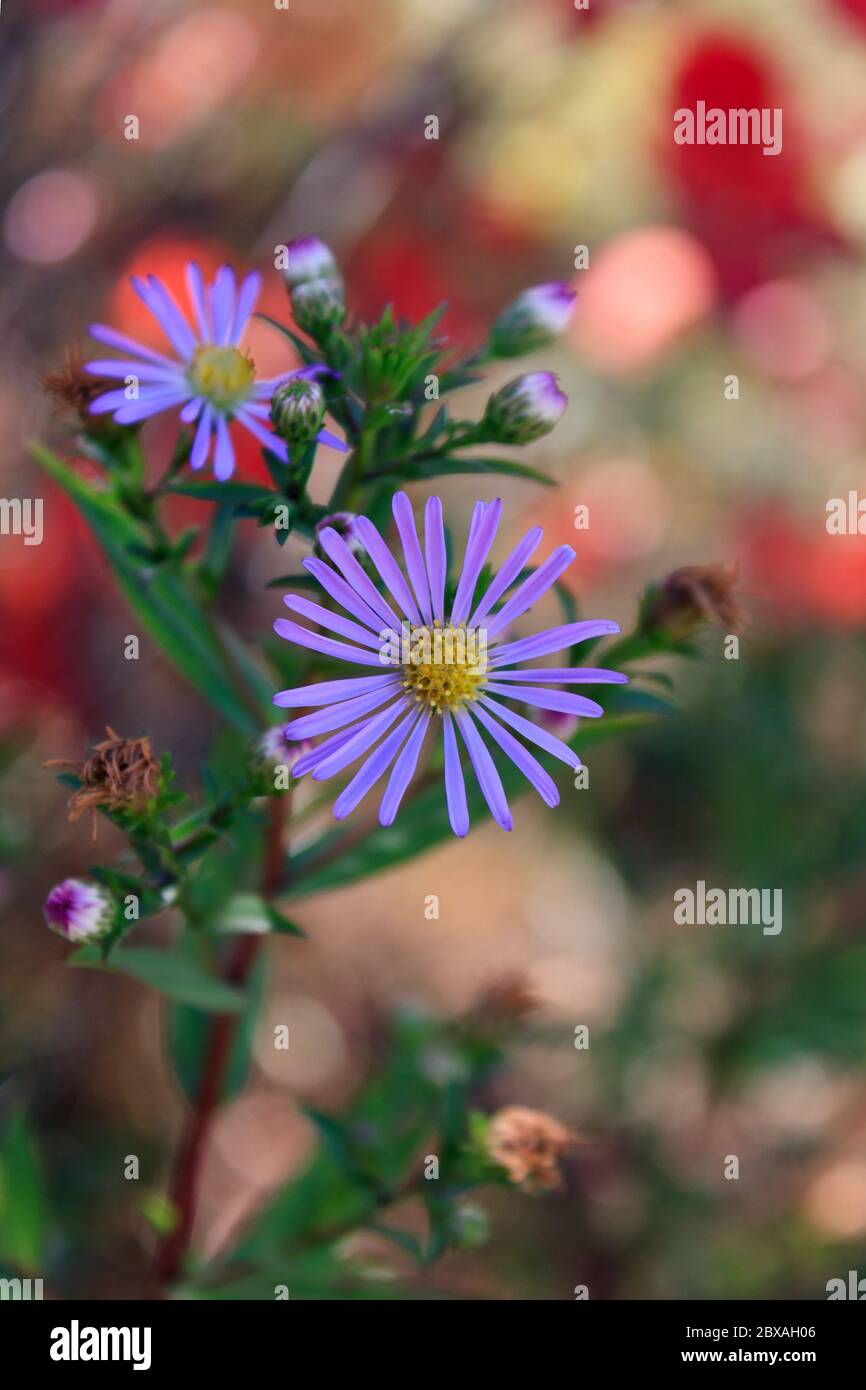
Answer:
(211, 380)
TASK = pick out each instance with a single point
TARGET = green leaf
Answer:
(159, 1211)
(159, 595)
(173, 973)
(249, 913)
(282, 925)
(225, 493)
(189, 1031)
(434, 468)
(23, 1212)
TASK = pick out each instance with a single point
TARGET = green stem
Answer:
(356, 468)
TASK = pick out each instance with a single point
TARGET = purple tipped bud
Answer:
(79, 911)
(556, 722)
(525, 409)
(276, 747)
(533, 320)
(297, 411)
(310, 259)
(344, 523)
(318, 305)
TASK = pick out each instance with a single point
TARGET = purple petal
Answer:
(333, 621)
(103, 334)
(363, 739)
(507, 575)
(293, 632)
(455, 787)
(404, 770)
(338, 715)
(565, 675)
(437, 559)
(520, 756)
(112, 400)
(145, 406)
(143, 371)
(336, 549)
(477, 548)
(311, 760)
(341, 592)
(532, 589)
(387, 567)
(271, 441)
(154, 294)
(560, 700)
(377, 763)
(333, 441)
(540, 737)
(198, 299)
(405, 521)
(475, 521)
(191, 410)
(485, 770)
(222, 303)
(324, 692)
(247, 296)
(119, 398)
(553, 639)
(224, 454)
(201, 443)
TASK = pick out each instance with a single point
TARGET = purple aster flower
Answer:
(210, 379)
(453, 673)
(532, 320)
(79, 911)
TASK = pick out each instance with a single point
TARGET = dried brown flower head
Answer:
(71, 387)
(506, 999)
(693, 595)
(528, 1144)
(120, 773)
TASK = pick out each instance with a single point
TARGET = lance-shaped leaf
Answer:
(158, 594)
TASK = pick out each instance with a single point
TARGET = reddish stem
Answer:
(183, 1189)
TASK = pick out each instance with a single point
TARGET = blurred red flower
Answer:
(751, 210)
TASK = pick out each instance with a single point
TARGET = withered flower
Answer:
(528, 1144)
(71, 387)
(693, 595)
(121, 773)
(506, 999)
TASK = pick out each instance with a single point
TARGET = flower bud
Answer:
(344, 525)
(280, 750)
(532, 320)
(297, 411)
(79, 911)
(689, 598)
(525, 409)
(469, 1226)
(310, 259)
(318, 305)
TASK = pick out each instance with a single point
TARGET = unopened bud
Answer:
(78, 910)
(532, 320)
(318, 305)
(310, 259)
(297, 411)
(525, 409)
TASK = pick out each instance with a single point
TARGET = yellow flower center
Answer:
(223, 375)
(445, 665)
